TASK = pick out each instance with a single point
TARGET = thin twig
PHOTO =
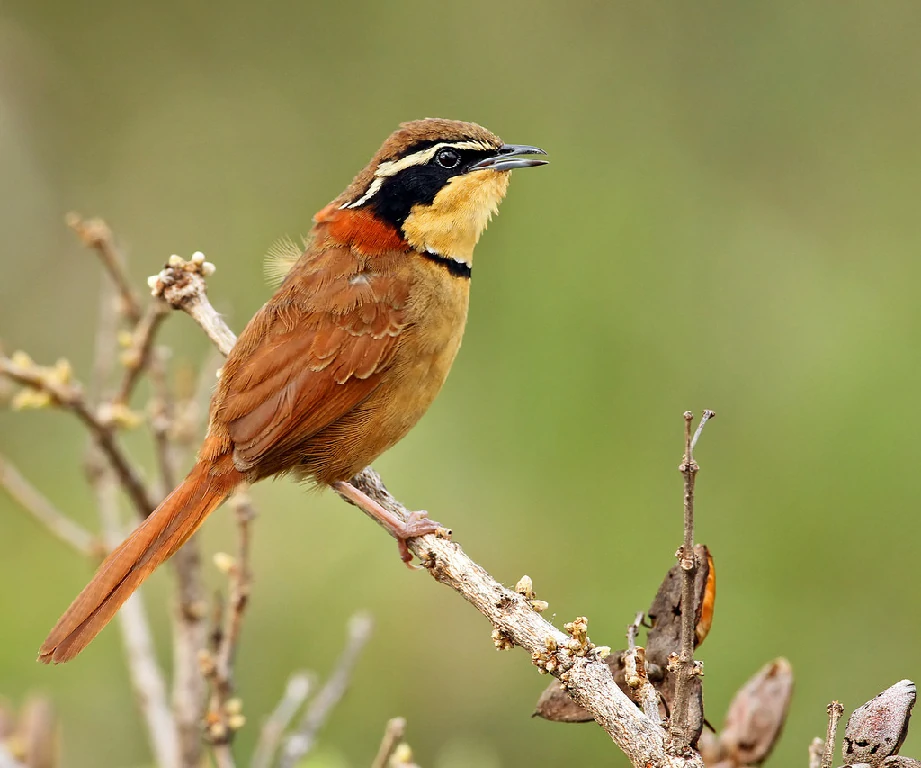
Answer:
(705, 417)
(299, 744)
(95, 234)
(632, 629)
(141, 355)
(38, 505)
(296, 692)
(70, 397)
(393, 735)
(679, 729)
(636, 675)
(182, 285)
(136, 358)
(835, 710)
(223, 716)
(240, 580)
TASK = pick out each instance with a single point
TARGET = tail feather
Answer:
(167, 528)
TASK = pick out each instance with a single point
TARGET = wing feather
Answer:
(314, 352)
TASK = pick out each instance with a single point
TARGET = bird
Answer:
(343, 359)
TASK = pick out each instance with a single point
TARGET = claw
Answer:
(416, 524)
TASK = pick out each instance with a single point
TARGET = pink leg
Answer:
(418, 523)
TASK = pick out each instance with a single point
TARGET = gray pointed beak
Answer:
(510, 156)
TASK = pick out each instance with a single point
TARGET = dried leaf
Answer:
(757, 714)
(665, 612)
(877, 729)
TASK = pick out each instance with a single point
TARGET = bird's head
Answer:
(437, 183)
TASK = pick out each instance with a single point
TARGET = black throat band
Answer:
(455, 267)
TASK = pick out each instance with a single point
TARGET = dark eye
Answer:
(447, 158)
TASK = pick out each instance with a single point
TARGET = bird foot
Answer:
(416, 524)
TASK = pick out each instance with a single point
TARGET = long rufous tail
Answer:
(166, 529)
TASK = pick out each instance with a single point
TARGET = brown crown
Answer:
(409, 135)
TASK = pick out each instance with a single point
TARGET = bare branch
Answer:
(224, 713)
(182, 285)
(636, 676)
(302, 740)
(583, 672)
(707, 415)
(95, 234)
(270, 736)
(62, 393)
(136, 358)
(38, 505)
(835, 710)
(393, 735)
(240, 581)
(680, 731)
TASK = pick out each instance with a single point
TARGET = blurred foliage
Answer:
(729, 221)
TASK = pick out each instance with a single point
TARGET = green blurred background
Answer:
(730, 220)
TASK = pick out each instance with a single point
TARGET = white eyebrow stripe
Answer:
(372, 191)
(393, 167)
